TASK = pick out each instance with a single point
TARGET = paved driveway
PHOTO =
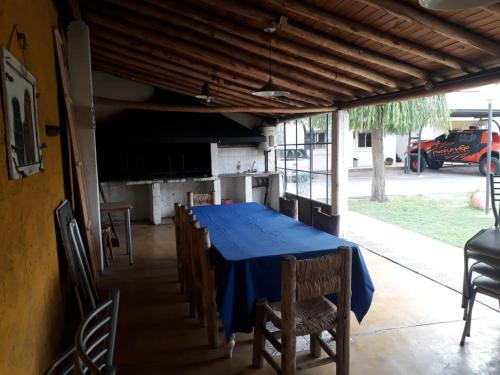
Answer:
(447, 180)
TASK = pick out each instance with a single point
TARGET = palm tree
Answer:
(396, 118)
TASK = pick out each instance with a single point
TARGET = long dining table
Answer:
(248, 241)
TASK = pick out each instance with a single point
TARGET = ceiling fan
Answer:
(205, 93)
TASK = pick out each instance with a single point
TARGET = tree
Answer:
(396, 118)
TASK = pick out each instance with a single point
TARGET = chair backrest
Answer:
(83, 267)
(495, 196)
(76, 256)
(76, 359)
(195, 244)
(290, 207)
(312, 278)
(189, 219)
(200, 199)
(178, 231)
(324, 222)
(202, 245)
(95, 338)
(64, 365)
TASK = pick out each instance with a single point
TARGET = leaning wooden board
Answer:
(75, 154)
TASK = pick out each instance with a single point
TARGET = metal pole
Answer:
(488, 159)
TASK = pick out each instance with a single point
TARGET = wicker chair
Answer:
(303, 310)
(189, 220)
(204, 283)
(200, 199)
(290, 207)
(324, 222)
(179, 243)
(483, 247)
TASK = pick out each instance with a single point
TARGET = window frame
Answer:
(292, 186)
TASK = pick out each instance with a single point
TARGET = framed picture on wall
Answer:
(19, 101)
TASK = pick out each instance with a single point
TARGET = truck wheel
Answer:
(435, 164)
(495, 166)
(414, 162)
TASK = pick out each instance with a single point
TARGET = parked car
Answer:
(459, 146)
(297, 164)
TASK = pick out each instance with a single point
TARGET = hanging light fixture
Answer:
(270, 90)
(205, 93)
(454, 4)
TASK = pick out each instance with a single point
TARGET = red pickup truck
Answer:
(458, 146)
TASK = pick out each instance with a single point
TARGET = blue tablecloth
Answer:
(248, 241)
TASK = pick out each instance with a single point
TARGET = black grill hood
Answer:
(137, 126)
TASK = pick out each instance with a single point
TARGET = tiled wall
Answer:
(229, 157)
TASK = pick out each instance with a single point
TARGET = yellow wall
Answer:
(30, 292)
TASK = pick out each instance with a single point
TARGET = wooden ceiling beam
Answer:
(484, 77)
(130, 42)
(153, 68)
(438, 25)
(140, 34)
(494, 8)
(258, 42)
(261, 19)
(130, 74)
(292, 9)
(149, 106)
(235, 51)
(216, 77)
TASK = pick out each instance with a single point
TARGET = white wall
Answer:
(229, 157)
(109, 86)
(364, 155)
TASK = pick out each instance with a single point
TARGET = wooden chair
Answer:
(187, 253)
(94, 343)
(200, 199)
(205, 288)
(324, 222)
(178, 219)
(204, 283)
(290, 207)
(304, 310)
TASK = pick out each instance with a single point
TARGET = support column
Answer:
(80, 74)
(340, 139)
(155, 203)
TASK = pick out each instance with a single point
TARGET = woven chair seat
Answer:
(312, 316)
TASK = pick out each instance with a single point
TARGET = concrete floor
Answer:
(413, 327)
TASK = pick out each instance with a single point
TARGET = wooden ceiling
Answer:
(338, 53)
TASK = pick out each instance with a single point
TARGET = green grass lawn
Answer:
(449, 219)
